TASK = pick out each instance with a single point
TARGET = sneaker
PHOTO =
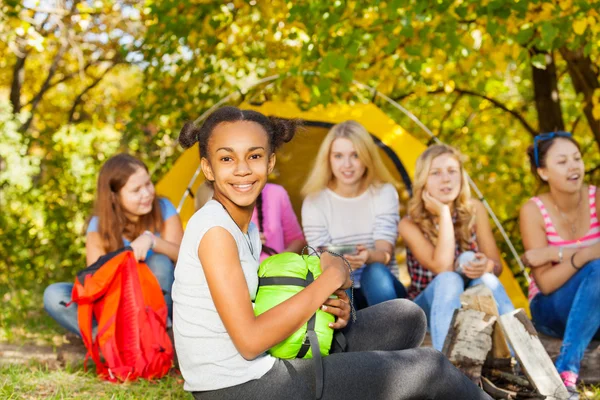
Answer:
(570, 380)
(573, 393)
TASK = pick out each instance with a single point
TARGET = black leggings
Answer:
(382, 361)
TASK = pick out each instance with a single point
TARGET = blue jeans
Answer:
(378, 284)
(571, 312)
(442, 296)
(58, 295)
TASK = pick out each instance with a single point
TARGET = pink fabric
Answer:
(591, 237)
(569, 378)
(280, 224)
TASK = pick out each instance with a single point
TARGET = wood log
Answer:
(469, 341)
(533, 359)
(480, 298)
(496, 392)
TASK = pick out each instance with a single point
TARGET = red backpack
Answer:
(128, 305)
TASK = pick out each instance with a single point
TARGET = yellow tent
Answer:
(399, 152)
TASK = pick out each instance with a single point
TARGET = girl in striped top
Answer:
(561, 235)
(350, 200)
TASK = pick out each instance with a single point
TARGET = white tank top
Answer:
(207, 356)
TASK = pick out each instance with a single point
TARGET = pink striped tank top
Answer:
(591, 237)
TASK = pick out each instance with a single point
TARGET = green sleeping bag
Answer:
(281, 276)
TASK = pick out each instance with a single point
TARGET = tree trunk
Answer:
(17, 82)
(585, 77)
(547, 101)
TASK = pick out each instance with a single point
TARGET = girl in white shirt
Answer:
(350, 200)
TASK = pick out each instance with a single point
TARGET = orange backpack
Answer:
(127, 302)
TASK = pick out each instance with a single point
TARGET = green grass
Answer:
(24, 321)
(38, 382)
(23, 318)
(590, 392)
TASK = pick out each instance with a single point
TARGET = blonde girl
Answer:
(351, 200)
(444, 222)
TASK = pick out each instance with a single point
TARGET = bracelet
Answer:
(560, 255)
(153, 238)
(573, 262)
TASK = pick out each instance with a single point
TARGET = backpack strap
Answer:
(311, 340)
(318, 361)
(341, 340)
(284, 280)
(313, 343)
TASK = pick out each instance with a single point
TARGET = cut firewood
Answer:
(533, 359)
(469, 341)
(511, 378)
(480, 298)
(496, 392)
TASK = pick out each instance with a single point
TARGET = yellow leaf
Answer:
(580, 26)
(596, 112)
(565, 4)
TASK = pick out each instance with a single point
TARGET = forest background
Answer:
(82, 80)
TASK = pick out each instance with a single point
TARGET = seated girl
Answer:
(127, 213)
(350, 200)
(561, 235)
(274, 216)
(221, 343)
(443, 222)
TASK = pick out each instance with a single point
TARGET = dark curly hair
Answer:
(280, 130)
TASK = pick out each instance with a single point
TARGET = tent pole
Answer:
(471, 182)
(189, 188)
(405, 112)
(230, 95)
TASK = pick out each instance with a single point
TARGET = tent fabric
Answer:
(399, 150)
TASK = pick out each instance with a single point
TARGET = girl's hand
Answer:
(476, 268)
(141, 245)
(330, 261)
(359, 259)
(537, 257)
(432, 204)
(340, 308)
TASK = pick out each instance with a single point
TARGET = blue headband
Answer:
(542, 137)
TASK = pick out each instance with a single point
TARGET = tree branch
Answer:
(448, 113)
(53, 67)
(79, 97)
(592, 170)
(495, 102)
(17, 82)
(71, 75)
(501, 106)
(38, 97)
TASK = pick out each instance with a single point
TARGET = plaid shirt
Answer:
(420, 277)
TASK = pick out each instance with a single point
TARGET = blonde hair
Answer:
(465, 212)
(321, 174)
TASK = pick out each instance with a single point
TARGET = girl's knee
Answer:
(491, 281)
(448, 281)
(408, 312)
(56, 296)
(375, 271)
(435, 361)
